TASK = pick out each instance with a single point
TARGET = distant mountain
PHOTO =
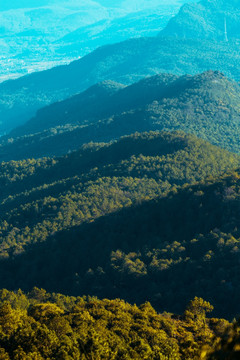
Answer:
(93, 211)
(41, 27)
(140, 18)
(29, 28)
(109, 31)
(206, 20)
(207, 105)
(125, 62)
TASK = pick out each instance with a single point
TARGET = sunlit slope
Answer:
(88, 328)
(92, 209)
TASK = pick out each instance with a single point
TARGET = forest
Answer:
(120, 216)
(38, 197)
(40, 325)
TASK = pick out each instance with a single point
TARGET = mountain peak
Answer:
(209, 19)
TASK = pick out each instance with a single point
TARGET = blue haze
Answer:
(39, 34)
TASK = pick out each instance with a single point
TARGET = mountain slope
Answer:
(125, 62)
(93, 202)
(180, 246)
(79, 109)
(206, 20)
(207, 105)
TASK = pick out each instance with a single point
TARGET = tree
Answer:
(197, 309)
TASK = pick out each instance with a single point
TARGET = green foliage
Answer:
(197, 309)
(42, 197)
(63, 327)
(113, 214)
(225, 347)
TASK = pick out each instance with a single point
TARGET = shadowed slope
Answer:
(207, 105)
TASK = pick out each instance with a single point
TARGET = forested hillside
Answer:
(41, 325)
(207, 105)
(51, 206)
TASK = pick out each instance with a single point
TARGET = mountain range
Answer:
(35, 36)
(85, 39)
(206, 105)
(124, 62)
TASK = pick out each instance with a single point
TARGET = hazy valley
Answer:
(35, 37)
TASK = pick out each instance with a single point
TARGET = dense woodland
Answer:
(206, 105)
(113, 214)
(40, 326)
(41, 197)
